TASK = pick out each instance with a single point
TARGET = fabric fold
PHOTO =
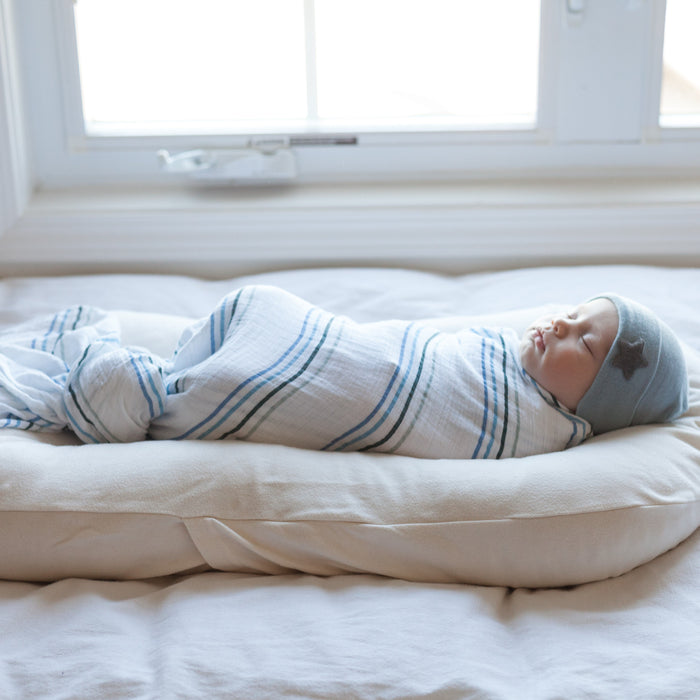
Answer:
(113, 394)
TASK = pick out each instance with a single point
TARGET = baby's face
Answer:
(564, 352)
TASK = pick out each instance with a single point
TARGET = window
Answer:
(320, 91)
(321, 65)
(680, 96)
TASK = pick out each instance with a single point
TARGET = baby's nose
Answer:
(560, 326)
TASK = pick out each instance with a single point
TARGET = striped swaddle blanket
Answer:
(269, 367)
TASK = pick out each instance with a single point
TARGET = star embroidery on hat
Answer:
(630, 357)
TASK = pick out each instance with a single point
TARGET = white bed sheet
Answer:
(239, 636)
(219, 635)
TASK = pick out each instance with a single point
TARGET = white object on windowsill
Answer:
(249, 165)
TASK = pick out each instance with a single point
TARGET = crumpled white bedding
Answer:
(237, 635)
(219, 635)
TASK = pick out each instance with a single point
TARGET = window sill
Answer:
(444, 226)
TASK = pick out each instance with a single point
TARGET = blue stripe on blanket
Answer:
(77, 317)
(223, 321)
(421, 405)
(282, 385)
(223, 404)
(133, 357)
(216, 337)
(380, 403)
(71, 391)
(577, 425)
(83, 407)
(399, 391)
(493, 366)
(72, 316)
(342, 322)
(407, 403)
(30, 421)
(515, 364)
(276, 375)
(212, 336)
(494, 412)
(156, 392)
(504, 430)
(13, 421)
(49, 332)
(486, 400)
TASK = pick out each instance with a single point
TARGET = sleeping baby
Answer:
(267, 366)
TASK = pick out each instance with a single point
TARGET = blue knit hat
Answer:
(643, 378)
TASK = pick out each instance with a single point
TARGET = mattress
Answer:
(363, 623)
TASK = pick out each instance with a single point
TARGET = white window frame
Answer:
(15, 173)
(589, 116)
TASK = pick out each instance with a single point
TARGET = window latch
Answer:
(264, 164)
(575, 10)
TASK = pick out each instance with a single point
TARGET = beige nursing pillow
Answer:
(152, 508)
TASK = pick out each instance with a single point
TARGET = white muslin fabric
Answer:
(269, 367)
(69, 371)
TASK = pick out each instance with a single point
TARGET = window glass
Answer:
(443, 61)
(680, 91)
(167, 65)
(179, 66)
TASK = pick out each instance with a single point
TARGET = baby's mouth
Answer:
(539, 339)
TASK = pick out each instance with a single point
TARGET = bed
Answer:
(230, 569)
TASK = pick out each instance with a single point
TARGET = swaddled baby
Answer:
(267, 366)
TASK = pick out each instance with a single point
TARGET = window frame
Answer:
(626, 140)
(493, 203)
(16, 177)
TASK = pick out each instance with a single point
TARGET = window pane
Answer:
(178, 66)
(445, 61)
(191, 61)
(680, 91)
